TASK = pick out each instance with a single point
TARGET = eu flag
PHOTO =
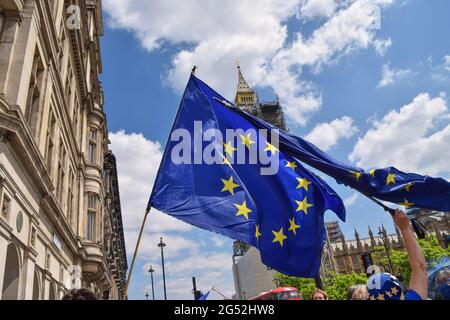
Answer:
(388, 184)
(281, 213)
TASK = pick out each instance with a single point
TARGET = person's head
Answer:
(319, 295)
(80, 294)
(442, 283)
(384, 286)
(358, 292)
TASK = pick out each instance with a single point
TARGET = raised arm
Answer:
(418, 282)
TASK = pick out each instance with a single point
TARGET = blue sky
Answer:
(371, 95)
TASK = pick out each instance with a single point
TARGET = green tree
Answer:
(433, 253)
(305, 286)
(338, 289)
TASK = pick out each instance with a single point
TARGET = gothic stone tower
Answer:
(247, 99)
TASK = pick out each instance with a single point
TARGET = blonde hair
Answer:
(317, 290)
(358, 292)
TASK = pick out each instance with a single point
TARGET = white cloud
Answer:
(210, 270)
(447, 62)
(415, 138)
(327, 135)
(257, 35)
(218, 242)
(351, 200)
(348, 30)
(317, 8)
(382, 45)
(389, 76)
(137, 165)
(178, 244)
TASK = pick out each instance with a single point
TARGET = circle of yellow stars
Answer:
(229, 185)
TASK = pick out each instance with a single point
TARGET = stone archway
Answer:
(11, 278)
(36, 287)
(52, 292)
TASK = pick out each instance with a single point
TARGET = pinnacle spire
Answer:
(245, 96)
(243, 86)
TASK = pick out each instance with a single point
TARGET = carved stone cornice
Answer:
(14, 15)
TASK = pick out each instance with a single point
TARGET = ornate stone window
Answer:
(91, 213)
(51, 131)
(75, 114)
(70, 195)
(6, 205)
(33, 237)
(48, 261)
(61, 173)
(35, 93)
(92, 147)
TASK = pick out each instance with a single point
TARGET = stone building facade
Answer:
(60, 220)
(348, 254)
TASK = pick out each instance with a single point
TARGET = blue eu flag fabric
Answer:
(388, 184)
(204, 297)
(280, 214)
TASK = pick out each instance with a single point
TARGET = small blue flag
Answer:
(281, 213)
(205, 296)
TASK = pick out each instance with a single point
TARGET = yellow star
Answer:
(380, 297)
(293, 226)
(279, 237)
(406, 203)
(257, 233)
(303, 183)
(394, 291)
(291, 165)
(243, 210)
(356, 174)
(228, 148)
(273, 150)
(389, 294)
(372, 297)
(247, 140)
(408, 186)
(372, 172)
(390, 179)
(229, 185)
(303, 205)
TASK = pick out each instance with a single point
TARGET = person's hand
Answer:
(401, 219)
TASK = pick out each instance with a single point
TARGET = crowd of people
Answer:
(380, 286)
(384, 286)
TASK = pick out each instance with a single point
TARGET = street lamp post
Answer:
(161, 244)
(151, 270)
(386, 249)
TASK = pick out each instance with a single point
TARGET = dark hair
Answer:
(80, 294)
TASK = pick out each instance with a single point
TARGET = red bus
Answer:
(280, 294)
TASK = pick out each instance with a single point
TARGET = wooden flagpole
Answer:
(125, 291)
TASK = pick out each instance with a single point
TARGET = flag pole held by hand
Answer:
(125, 292)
